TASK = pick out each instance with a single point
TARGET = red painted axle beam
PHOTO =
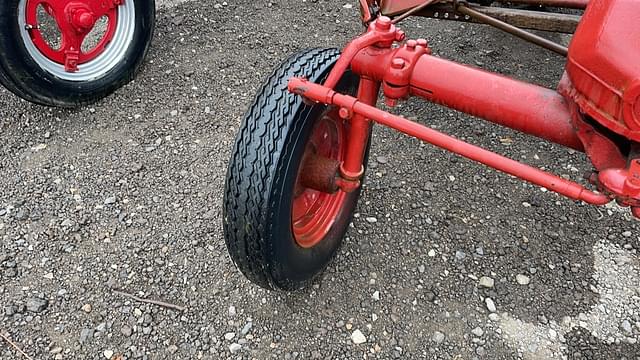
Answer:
(521, 106)
(322, 94)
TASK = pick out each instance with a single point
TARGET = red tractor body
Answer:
(603, 65)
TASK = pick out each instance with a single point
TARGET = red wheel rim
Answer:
(75, 19)
(314, 212)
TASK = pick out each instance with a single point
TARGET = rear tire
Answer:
(262, 226)
(29, 74)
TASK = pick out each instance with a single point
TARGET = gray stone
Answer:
(491, 306)
(37, 305)
(486, 282)
(438, 337)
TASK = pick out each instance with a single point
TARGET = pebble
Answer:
(108, 354)
(494, 317)
(523, 279)
(247, 327)
(486, 282)
(232, 311)
(376, 295)
(230, 335)
(381, 159)
(85, 334)
(126, 330)
(460, 255)
(627, 233)
(491, 306)
(626, 326)
(358, 337)
(438, 337)
(37, 305)
(86, 308)
(110, 200)
(371, 220)
(235, 347)
(431, 253)
(477, 331)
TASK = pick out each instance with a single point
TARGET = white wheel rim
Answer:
(112, 55)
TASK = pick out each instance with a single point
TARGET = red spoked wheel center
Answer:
(68, 23)
(314, 212)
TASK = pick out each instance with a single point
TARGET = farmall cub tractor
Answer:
(72, 52)
(301, 152)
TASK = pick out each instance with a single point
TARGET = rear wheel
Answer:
(72, 52)
(279, 230)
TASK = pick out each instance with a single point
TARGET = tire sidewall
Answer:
(20, 67)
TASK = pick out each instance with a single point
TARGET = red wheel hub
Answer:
(75, 20)
(314, 212)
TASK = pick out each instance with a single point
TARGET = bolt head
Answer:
(422, 42)
(411, 44)
(383, 23)
(344, 113)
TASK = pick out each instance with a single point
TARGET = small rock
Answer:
(381, 159)
(172, 349)
(371, 220)
(247, 327)
(376, 295)
(431, 253)
(126, 330)
(494, 317)
(86, 308)
(37, 305)
(85, 334)
(110, 200)
(626, 326)
(477, 331)
(108, 354)
(627, 233)
(438, 337)
(230, 335)
(523, 279)
(235, 347)
(358, 337)
(486, 282)
(232, 311)
(421, 269)
(460, 255)
(491, 306)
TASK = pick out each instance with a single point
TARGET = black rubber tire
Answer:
(24, 77)
(261, 177)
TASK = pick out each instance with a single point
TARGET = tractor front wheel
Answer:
(280, 230)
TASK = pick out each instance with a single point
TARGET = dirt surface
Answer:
(126, 195)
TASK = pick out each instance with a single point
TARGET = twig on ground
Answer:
(14, 346)
(149, 301)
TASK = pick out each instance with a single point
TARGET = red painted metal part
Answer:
(602, 66)
(315, 207)
(521, 106)
(75, 20)
(409, 70)
(552, 182)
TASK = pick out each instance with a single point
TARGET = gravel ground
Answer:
(446, 259)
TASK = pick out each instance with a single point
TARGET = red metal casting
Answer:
(552, 182)
(314, 211)
(602, 66)
(75, 20)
